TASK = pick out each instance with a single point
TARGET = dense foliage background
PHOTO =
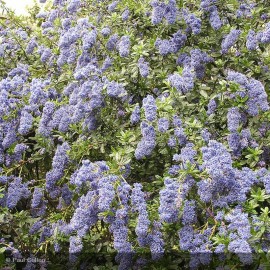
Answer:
(135, 135)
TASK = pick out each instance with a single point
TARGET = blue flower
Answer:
(168, 210)
(31, 46)
(75, 244)
(251, 40)
(106, 192)
(163, 124)
(89, 40)
(67, 194)
(73, 6)
(125, 15)
(211, 107)
(112, 6)
(139, 205)
(215, 21)
(171, 142)
(86, 214)
(60, 160)
(124, 46)
(150, 108)
(16, 191)
(148, 142)
(111, 44)
(192, 21)
(158, 11)
(105, 31)
(230, 40)
(44, 124)
(120, 233)
(36, 227)
(156, 242)
(171, 12)
(265, 38)
(116, 90)
(208, 5)
(25, 122)
(143, 67)
(189, 216)
(135, 116)
(233, 119)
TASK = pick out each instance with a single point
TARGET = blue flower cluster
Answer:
(38, 204)
(173, 45)
(139, 205)
(257, 97)
(184, 83)
(223, 187)
(229, 40)
(16, 191)
(150, 108)
(143, 67)
(60, 161)
(148, 142)
(194, 23)
(124, 46)
(169, 200)
(162, 10)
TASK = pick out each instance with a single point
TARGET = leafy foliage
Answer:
(135, 135)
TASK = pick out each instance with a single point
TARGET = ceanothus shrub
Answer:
(135, 135)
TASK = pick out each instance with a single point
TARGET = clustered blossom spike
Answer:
(210, 7)
(211, 107)
(124, 46)
(188, 154)
(169, 197)
(239, 223)
(215, 20)
(162, 10)
(25, 123)
(251, 40)
(143, 67)
(196, 242)
(16, 191)
(38, 204)
(230, 40)
(136, 115)
(173, 45)
(184, 83)
(106, 192)
(265, 36)
(163, 124)
(121, 244)
(189, 215)
(88, 173)
(223, 187)
(193, 22)
(257, 97)
(234, 119)
(89, 40)
(125, 15)
(59, 163)
(150, 108)
(156, 242)
(85, 215)
(112, 6)
(148, 142)
(245, 9)
(139, 205)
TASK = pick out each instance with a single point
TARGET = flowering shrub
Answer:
(135, 135)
